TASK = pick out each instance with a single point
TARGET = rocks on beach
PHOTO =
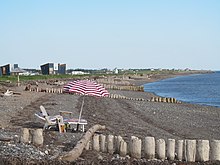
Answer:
(124, 117)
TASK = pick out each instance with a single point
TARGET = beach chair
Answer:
(71, 123)
(50, 121)
(8, 93)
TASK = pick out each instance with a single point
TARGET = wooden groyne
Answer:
(127, 87)
(188, 150)
(113, 96)
(150, 148)
(164, 100)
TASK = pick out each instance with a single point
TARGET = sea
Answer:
(203, 89)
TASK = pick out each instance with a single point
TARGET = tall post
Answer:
(161, 149)
(190, 150)
(149, 147)
(171, 149)
(215, 150)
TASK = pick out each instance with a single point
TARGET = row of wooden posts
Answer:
(181, 150)
(34, 136)
(116, 96)
(164, 99)
(128, 87)
(60, 90)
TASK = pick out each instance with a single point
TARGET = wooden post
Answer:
(135, 149)
(118, 140)
(215, 150)
(190, 150)
(149, 147)
(38, 137)
(24, 135)
(102, 143)
(161, 149)
(180, 150)
(202, 150)
(110, 144)
(123, 148)
(171, 149)
(96, 145)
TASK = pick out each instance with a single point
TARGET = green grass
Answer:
(14, 79)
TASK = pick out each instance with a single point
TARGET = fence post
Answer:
(149, 147)
(215, 150)
(102, 143)
(38, 137)
(24, 135)
(171, 149)
(123, 148)
(110, 144)
(161, 149)
(180, 150)
(96, 145)
(135, 149)
(118, 140)
(190, 150)
(203, 150)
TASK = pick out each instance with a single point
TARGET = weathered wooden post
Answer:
(202, 150)
(38, 137)
(96, 145)
(110, 144)
(171, 149)
(160, 99)
(190, 150)
(118, 140)
(24, 135)
(180, 150)
(164, 100)
(123, 148)
(215, 150)
(149, 147)
(161, 149)
(135, 147)
(102, 143)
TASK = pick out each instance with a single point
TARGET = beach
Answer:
(120, 116)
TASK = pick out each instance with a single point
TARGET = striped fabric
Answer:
(86, 87)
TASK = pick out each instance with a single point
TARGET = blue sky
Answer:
(111, 33)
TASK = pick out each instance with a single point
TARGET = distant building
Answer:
(16, 66)
(5, 70)
(78, 73)
(61, 68)
(47, 69)
(115, 71)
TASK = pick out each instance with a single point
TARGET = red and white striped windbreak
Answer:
(86, 87)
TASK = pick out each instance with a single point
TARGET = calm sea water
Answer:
(197, 89)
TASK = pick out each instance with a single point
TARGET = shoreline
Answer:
(163, 77)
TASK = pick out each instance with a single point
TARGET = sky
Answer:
(95, 34)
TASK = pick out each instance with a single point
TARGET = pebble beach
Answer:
(122, 117)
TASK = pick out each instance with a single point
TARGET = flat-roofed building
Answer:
(5, 70)
(61, 68)
(47, 69)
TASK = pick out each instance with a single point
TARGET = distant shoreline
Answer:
(159, 77)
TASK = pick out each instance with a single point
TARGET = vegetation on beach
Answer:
(95, 73)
